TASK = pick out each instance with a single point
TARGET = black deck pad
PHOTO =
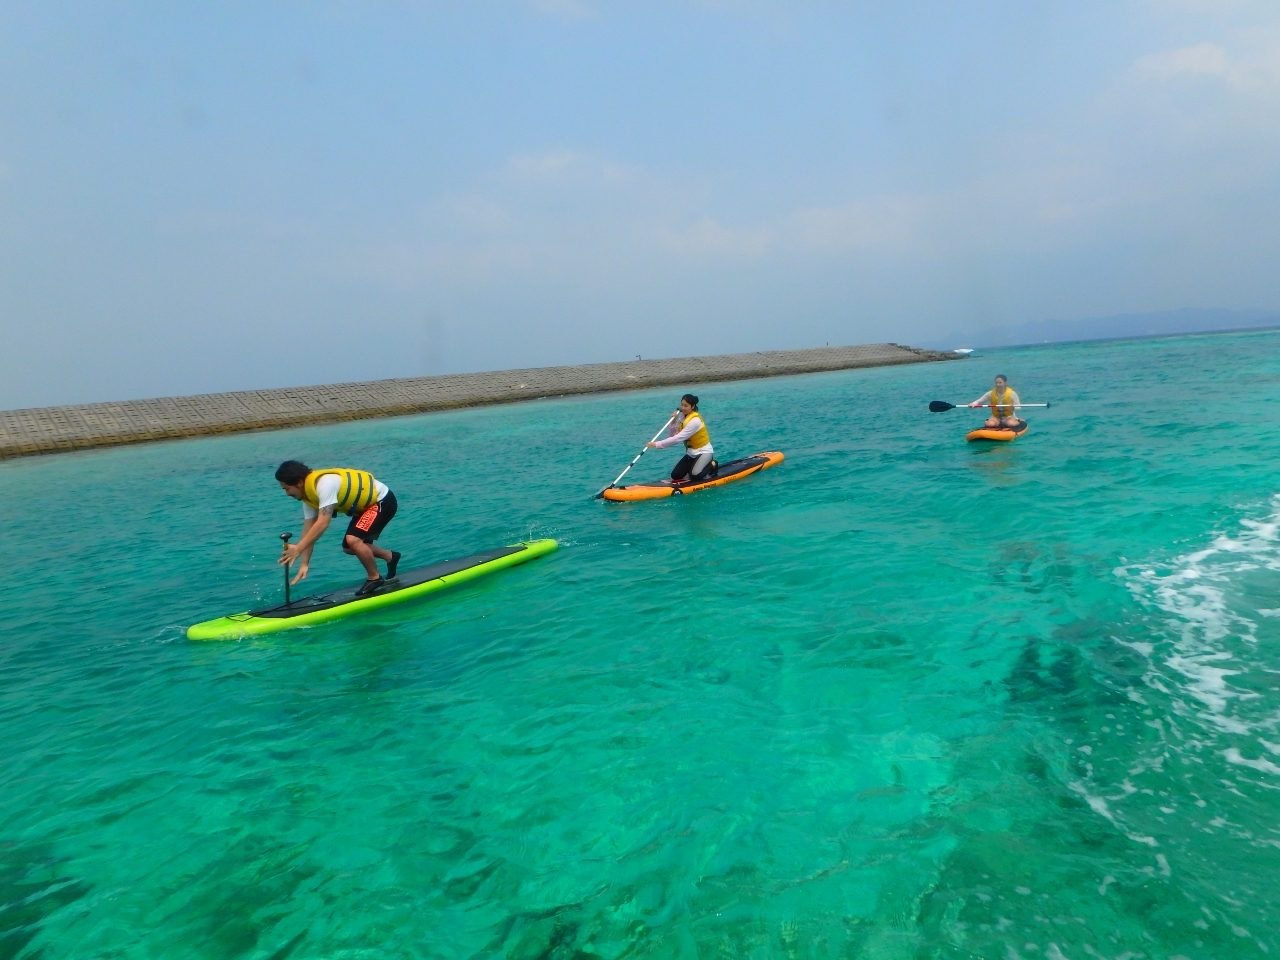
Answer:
(406, 578)
(729, 469)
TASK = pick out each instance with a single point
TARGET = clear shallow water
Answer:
(897, 698)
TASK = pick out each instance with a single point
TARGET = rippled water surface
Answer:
(898, 698)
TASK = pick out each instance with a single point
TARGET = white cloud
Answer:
(540, 166)
(1247, 65)
(1201, 60)
(882, 225)
(874, 223)
(1210, 6)
(708, 237)
(567, 9)
(1197, 110)
(551, 167)
(474, 214)
(1255, 67)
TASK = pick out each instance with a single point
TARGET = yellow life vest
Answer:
(355, 492)
(700, 436)
(1002, 403)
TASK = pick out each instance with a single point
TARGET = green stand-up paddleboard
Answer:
(408, 585)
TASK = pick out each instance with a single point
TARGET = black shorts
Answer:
(368, 523)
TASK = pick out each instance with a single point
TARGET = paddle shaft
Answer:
(938, 406)
(1016, 406)
(285, 538)
(638, 456)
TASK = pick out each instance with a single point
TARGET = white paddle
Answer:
(938, 406)
(636, 460)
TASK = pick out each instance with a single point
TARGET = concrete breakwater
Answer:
(42, 430)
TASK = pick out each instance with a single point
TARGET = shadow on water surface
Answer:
(34, 885)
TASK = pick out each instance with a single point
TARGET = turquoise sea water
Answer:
(900, 697)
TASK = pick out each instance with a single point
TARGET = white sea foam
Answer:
(1198, 596)
(1259, 763)
(1102, 807)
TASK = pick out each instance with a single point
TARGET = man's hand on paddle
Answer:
(301, 551)
(291, 552)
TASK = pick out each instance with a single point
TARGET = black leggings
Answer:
(698, 468)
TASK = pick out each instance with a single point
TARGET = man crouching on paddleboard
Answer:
(368, 502)
(688, 427)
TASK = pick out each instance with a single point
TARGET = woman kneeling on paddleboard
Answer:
(1003, 402)
(688, 427)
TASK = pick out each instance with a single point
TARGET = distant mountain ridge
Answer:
(1117, 326)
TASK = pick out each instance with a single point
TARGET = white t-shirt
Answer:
(327, 488)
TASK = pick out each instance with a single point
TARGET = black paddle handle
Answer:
(285, 538)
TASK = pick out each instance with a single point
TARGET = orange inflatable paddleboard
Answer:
(727, 473)
(998, 433)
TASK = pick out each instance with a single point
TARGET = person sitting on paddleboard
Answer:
(688, 427)
(1003, 402)
(368, 502)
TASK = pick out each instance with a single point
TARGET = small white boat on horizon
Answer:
(963, 350)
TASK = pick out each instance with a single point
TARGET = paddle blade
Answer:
(938, 406)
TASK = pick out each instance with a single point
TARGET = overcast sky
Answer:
(223, 195)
